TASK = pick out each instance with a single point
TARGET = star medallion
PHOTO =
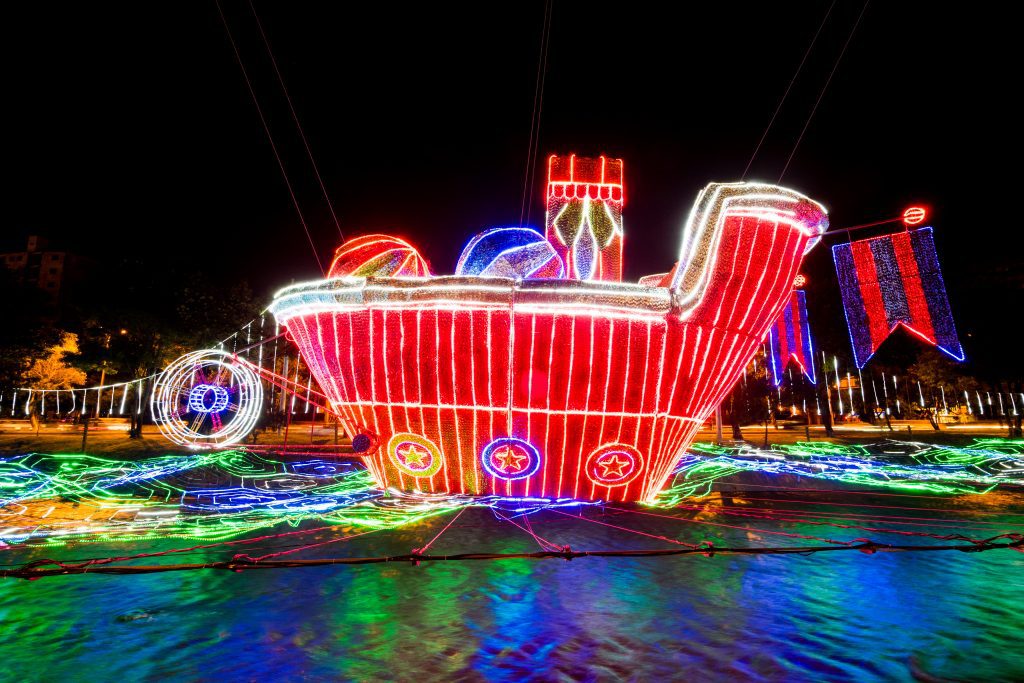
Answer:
(509, 460)
(413, 455)
(613, 466)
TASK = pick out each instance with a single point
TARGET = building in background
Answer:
(51, 271)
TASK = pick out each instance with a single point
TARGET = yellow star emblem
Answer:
(412, 455)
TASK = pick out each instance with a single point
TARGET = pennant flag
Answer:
(890, 281)
(790, 339)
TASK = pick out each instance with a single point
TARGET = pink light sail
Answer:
(571, 388)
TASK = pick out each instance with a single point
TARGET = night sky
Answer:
(131, 129)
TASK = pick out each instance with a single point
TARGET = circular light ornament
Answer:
(799, 281)
(914, 215)
(614, 464)
(510, 252)
(509, 459)
(377, 256)
(414, 455)
(207, 399)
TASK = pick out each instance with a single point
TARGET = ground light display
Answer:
(228, 495)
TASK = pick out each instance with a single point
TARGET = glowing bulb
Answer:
(914, 215)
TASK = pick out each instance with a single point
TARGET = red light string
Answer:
(541, 541)
(731, 526)
(434, 539)
(285, 384)
(281, 553)
(632, 531)
(529, 526)
(174, 551)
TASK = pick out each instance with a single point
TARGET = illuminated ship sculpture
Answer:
(533, 371)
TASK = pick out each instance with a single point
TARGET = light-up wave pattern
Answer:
(217, 496)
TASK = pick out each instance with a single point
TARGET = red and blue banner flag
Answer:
(891, 281)
(790, 339)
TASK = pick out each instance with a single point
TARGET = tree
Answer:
(935, 369)
(26, 328)
(150, 323)
(749, 400)
(52, 371)
(207, 313)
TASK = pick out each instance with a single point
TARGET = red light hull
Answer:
(552, 389)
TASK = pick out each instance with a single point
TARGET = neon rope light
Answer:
(415, 456)
(199, 397)
(892, 281)
(208, 496)
(52, 500)
(789, 339)
(566, 366)
(891, 465)
(510, 459)
(614, 465)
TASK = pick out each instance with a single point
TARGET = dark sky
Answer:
(130, 127)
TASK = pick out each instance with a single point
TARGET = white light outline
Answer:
(169, 383)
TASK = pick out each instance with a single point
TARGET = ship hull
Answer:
(548, 389)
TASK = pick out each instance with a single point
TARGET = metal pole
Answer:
(85, 421)
(718, 424)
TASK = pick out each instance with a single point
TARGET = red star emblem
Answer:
(508, 460)
(413, 455)
(612, 465)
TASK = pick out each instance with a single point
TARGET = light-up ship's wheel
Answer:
(207, 399)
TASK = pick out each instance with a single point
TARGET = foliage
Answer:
(747, 402)
(150, 323)
(207, 313)
(934, 369)
(51, 371)
(130, 319)
(26, 328)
